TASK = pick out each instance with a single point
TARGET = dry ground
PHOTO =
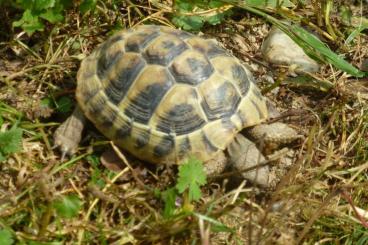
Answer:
(321, 198)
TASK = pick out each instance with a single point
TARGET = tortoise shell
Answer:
(164, 95)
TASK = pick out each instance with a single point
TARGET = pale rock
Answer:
(279, 49)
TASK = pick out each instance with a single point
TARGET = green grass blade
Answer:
(314, 47)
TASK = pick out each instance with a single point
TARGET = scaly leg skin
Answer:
(216, 165)
(273, 135)
(244, 154)
(68, 135)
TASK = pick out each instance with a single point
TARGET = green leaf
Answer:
(216, 4)
(87, 5)
(318, 50)
(215, 19)
(67, 206)
(10, 142)
(25, 4)
(29, 22)
(96, 174)
(64, 104)
(191, 177)
(43, 4)
(188, 23)
(269, 3)
(169, 197)
(52, 16)
(6, 237)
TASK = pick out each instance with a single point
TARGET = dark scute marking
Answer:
(165, 146)
(222, 102)
(105, 63)
(181, 119)
(241, 77)
(144, 104)
(258, 94)
(119, 86)
(197, 71)
(184, 35)
(142, 139)
(184, 147)
(242, 119)
(208, 144)
(107, 120)
(168, 44)
(260, 113)
(139, 41)
(164, 60)
(109, 42)
(195, 65)
(215, 51)
(95, 108)
(227, 123)
(88, 94)
(124, 131)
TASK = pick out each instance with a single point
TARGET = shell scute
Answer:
(220, 98)
(150, 88)
(122, 77)
(191, 68)
(164, 49)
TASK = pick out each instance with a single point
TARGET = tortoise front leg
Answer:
(68, 135)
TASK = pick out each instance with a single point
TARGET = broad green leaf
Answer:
(215, 19)
(29, 22)
(25, 4)
(43, 4)
(191, 177)
(87, 5)
(66, 3)
(68, 206)
(6, 237)
(2, 157)
(188, 22)
(215, 4)
(10, 142)
(64, 104)
(52, 16)
(183, 6)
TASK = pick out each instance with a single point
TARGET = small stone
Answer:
(279, 49)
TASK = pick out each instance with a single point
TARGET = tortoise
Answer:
(165, 95)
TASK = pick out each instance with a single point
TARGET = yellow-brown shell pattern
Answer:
(165, 95)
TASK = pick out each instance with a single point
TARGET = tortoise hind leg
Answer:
(68, 135)
(244, 155)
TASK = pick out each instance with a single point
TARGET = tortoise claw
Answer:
(68, 135)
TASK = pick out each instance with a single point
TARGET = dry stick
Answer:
(122, 157)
